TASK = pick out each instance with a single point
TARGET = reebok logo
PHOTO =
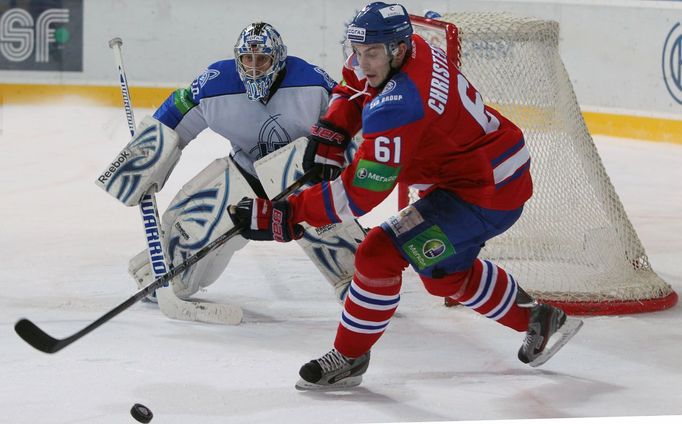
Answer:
(120, 160)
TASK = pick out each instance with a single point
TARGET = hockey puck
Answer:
(141, 413)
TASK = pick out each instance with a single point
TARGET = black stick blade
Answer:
(37, 337)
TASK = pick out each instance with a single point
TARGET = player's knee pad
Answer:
(448, 285)
(378, 261)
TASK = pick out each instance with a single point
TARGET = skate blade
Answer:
(340, 385)
(564, 334)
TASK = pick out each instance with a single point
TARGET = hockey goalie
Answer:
(264, 102)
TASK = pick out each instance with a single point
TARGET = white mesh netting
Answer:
(574, 242)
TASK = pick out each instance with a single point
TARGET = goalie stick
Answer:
(171, 306)
(36, 337)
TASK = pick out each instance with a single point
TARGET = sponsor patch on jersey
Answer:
(182, 99)
(389, 11)
(375, 176)
(391, 98)
(429, 247)
(407, 219)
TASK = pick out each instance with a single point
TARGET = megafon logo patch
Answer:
(672, 62)
(43, 36)
(433, 248)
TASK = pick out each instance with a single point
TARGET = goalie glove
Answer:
(262, 219)
(143, 165)
(326, 148)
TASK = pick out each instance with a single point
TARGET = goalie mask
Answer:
(259, 56)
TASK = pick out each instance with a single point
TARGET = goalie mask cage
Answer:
(574, 246)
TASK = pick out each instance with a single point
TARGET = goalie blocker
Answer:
(198, 214)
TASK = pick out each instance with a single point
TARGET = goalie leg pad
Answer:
(195, 217)
(331, 248)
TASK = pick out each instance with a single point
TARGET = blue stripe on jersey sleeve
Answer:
(397, 105)
(220, 78)
(168, 114)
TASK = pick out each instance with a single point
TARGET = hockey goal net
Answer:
(574, 245)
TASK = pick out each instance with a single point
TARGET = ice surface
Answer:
(64, 247)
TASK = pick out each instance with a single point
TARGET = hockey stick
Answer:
(171, 306)
(33, 335)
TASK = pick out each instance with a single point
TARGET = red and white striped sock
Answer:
(491, 292)
(366, 314)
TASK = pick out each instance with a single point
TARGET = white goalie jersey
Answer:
(217, 100)
(256, 130)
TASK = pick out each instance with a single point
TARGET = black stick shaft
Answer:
(36, 337)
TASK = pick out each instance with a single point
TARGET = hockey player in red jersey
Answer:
(423, 125)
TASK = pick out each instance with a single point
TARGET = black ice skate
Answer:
(548, 331)
(331, 371)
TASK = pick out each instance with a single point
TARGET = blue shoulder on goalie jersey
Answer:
(299, 73)
(222, 79)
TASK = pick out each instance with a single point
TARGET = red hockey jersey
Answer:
(427, 128)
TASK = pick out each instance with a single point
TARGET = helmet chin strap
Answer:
(391, 71)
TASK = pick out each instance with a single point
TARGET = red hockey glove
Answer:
(265, 221)
(326, 148)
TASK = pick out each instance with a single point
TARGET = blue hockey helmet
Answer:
(259, 56)
(383, 23)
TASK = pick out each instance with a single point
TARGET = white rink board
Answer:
(613, 49)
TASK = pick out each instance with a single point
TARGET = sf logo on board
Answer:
(672, 62)
(42, 36)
